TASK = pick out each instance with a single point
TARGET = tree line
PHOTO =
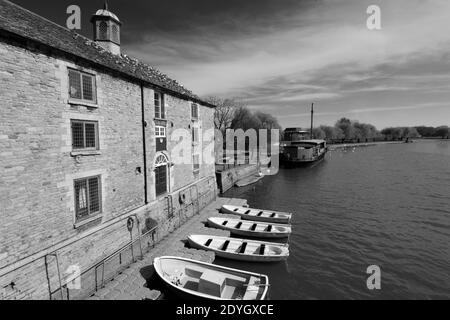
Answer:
(233, 114)
(346, 130)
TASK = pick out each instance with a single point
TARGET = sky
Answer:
(279, 56)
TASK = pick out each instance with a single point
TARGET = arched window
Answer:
(161, 160)
(115, 33)
(103, 31)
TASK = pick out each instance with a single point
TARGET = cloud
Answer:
(281, 56)
(396, 108)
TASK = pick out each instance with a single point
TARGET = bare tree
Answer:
(225, 112)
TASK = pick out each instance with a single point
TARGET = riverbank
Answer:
(133, 283)
(333, 147)
(229, 177)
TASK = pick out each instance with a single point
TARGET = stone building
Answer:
(91, 172)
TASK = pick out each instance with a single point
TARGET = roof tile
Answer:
(23, 23)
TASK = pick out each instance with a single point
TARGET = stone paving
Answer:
(131, 284)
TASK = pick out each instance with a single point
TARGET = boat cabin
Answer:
(298, 146)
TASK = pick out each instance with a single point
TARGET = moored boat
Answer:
(251, 228)
(241, 249)
(257, 214)
(199, 280)
(297, 148)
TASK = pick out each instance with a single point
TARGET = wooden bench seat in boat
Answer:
(233, 246)
(216, 243)
(196, 272)
(251, 248)
(261, 228)
(212, 283)
(193, 271)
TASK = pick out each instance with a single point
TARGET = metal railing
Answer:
(96, 276)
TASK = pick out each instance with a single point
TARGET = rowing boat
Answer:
(251, 228)
(193, 279)
(240, 249)
(257, 214)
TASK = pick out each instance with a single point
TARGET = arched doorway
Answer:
(161, 174)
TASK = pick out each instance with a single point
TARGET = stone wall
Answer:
(226, 179)
(37, 169)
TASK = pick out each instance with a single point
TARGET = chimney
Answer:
(107, 29)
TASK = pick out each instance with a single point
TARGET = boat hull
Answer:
(284, 251)
(166, 267)
(283, 218)
(303, 162)
(285, 233)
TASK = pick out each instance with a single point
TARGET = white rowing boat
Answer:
(241, 249)
(251, 228)
(195, 279)
(257, 214)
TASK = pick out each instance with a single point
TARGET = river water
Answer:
(385, 205)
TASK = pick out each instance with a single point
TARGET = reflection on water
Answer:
(387, 205)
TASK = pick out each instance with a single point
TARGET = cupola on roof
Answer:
(106, 13)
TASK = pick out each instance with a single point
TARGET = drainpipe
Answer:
(144, 143)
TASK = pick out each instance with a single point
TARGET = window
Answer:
(103, 31)
(161, 180)
(195, 135)
(194, 111)
(84, 135)
(87, 197)
(82, 86)
(196, 163)
(160, 135)
(159, 106)
(115, 34)
(160, 132)
(161, 170)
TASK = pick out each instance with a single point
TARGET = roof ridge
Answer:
(91, 41)
(123, 63)
(73, 32)
(43, 18)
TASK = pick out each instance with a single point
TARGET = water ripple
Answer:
(387, 205)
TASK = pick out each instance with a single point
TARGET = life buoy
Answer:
(182, 198)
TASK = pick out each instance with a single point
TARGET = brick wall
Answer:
(37, 167)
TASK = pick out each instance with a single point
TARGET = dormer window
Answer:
(160, 113)
(82, 86)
